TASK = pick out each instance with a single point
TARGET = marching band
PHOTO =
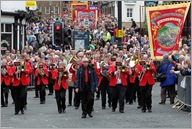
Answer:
(121, 78)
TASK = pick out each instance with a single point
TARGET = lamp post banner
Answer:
(165, 24)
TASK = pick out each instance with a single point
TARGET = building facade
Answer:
(53, 8)
(13, 24)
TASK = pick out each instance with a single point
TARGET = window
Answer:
(129, 12)
(2, 27)
(56, 10)
(47, 10)
(8, 28)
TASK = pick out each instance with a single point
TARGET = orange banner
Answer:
(165, 24)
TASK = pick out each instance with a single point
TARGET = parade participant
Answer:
(60, 75)
(103, 82)
(42, 80)
(20, 83)
(73, 69)
(5, 83)
(146, 69)
(35, 65)
(117, 83)
(86, 83)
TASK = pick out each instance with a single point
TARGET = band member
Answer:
(42, 80)
(103, 82)
(5, 82)
(60, 75)
(35, 66)
(51, 67)
(117, 83)
(146, 70)
(20, 83)
(86, 83)
(73, 69)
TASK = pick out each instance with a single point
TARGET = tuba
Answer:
(74, 61)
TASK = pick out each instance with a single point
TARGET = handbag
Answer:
(162, 76)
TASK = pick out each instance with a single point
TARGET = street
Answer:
(47, 116)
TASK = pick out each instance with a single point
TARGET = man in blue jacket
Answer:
(169, 83)
(86, 84)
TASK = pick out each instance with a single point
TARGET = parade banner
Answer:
(76, 6)
(86, 18)
(165, 24)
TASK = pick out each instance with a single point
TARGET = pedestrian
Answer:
(86, 84)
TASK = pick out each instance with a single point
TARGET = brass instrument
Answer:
(134, 60)
(3, 70)
(41, 70)
(22, 66)
(146, 67)
(104, 69)
(19, 66)
(62, 73)
(74, 61)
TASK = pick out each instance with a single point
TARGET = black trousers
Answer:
(50, 85)
(60, 96)
(118, 93)
(19, 96)
(4, 94)
(130, 93)
(138, 91)
(42, 92)
(36, 89)
(70, 90)
(11, 89)
(77, 99)
(87, 100)
(146, 96)
(105, 89)
(98, 94)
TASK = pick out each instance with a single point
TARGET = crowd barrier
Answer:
(183, 92)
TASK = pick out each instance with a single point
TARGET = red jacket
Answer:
(148, 76)
(44, 78)
(25, 78)
(63, 80)
(73, 73)
(7, 78)
(113, 78)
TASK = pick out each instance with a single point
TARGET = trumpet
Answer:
(62, 73)
(41, 70)
(3, 70)
(146, 67)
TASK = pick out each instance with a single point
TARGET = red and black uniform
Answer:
(118, 87)
(60, 90)
(103, 84)
(5, 83)
(42, 81)
(52, 67)
(135, 78)
(20, 88)
(146, 83)
(77, 95)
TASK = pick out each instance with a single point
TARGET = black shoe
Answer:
(22, 111)
(90, 115)
(109, 105)
(143, 110)
(92, 109)
(16, 113)
(113, 110)
(2, 105)
(83, 116)
(121, 111)
(60, 111)
(13, 102)
(36, 97)
(41, 102)
(25, 107)
(138, 107)
(69, 105)
(161, 102)
(76, 107)
(171, 102)
(63, 111)
(50, 94)
(149, 110)
(103, 107)
(130, 103)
